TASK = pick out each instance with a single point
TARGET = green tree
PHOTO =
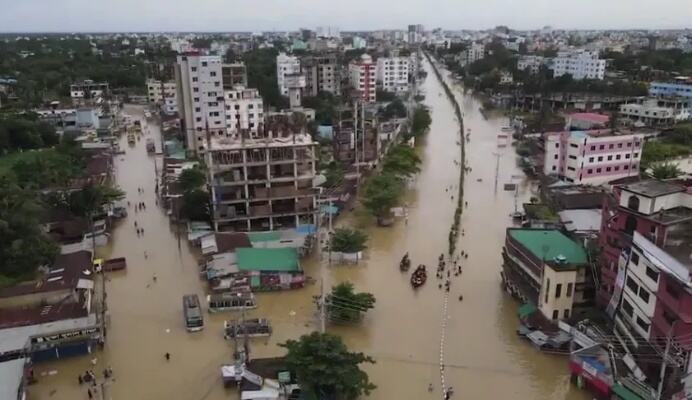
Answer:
(395, 109)
(347, 240)
(196, 206)
(334, 174)
(402, 160)
(326, 369)
(23, 245)
(192, 179)
(665, 170)
(261, 74)
(381, 193)
(344, 305)
(421, 120)
(383, 95)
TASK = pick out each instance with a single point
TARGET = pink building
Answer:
(592, 157)
(362, 77)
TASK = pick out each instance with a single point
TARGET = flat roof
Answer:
(228, 143)
(13, 339)
(581, 220)
(653, 188)
(591, 117)
(11, 376)
(548, 244)
(275, 260)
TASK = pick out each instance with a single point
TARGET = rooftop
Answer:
(653, 188)
(581, 220)
(229, 143)
(65, 273)
(11, 376)
(42, 314)
(272, 260)
(591, 117)
(14, 339)
(549, 244)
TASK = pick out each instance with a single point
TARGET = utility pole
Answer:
(497, 168)
(665, 362)
(355, 141)
(322, 308)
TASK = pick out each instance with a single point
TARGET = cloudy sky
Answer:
(256, 15)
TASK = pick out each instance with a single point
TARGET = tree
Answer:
(334, 174)
(383, 95)
(325, 369)
(261, 74)
(381, 194)
(196, 206)
(402, 160)
(23, 245)
(344, 305)
(347, 240)
(665, 170)
(395, 109)
(421, 120)
(191, 179)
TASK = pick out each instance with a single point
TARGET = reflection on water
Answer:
(484, 357)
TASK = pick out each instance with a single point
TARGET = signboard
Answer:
(88, 331)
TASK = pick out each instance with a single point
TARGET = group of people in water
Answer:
(89, 377)
(445, 269)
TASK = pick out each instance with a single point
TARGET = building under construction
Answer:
(264, 182)
(355, 135)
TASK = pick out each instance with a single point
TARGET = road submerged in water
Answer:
(484, 358)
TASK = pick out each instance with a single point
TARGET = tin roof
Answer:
(274, 260)
(549, 244)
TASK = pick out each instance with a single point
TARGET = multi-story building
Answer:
(362, 77)
(666, 89)
(475, 52)
(234, 74)
(580, 64)
(530, 63)
(286, 65)
(328, 32)
(322, 74)
(548, 269)
(415, 34)
(393, 73)
(646, 269)
(87, 91)
(163, 94)
(657, 111)
(244, 111)
(200, 98)
(264, 182)
(592, 157)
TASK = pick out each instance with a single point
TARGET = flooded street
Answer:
(483, 356)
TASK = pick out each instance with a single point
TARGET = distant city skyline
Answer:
(354, 15)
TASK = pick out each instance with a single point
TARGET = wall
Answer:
(553, 303)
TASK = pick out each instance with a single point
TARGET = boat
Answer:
(232, 301)
(255, 327)
(113, 264)
(151, 147)
(419, 277)
(405, 263)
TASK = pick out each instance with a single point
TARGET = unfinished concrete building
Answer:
(265, 182)
(356, 146)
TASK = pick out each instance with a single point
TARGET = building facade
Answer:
(286, 65)
(163, 94)
(393, 73)
(415, 34)
(234, 74)
(263, 183)
(530, 63)
(244, 111)
(669, 89)
(322, 74)
(657, 111)
(548, 269)
(592, 157)
(200, 98)
(580, 64)
(86, 91)
(362, 75)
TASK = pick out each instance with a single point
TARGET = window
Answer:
(627, 307)
(632, 285)
(652, 274)
(589, 171)
(573, 157)
(557, 145)
(598, 170)
(642, 324)
(600, 158)
(644, 294)
(593, 148)
(574, 145)
(212, 73)
(197, 109)
(616, 168)
(554, 168)
(204, 63)
(194, 79)
(556, 156)
(558, 290)
(193, 69)
(195, 89)
(617, 157)
(626, 167)
(547, 289)
(198, 119)
(601, 147)
(566, 313)
(633, 203)
(196, 99)
(619, 145)
(634, 258)
(590, 159)
(569, 290)
(610, 158)
(636, 155)
(611, 146)
(608, 169)
(570, 168)
(556, 314)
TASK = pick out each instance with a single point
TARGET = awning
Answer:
(525, 310)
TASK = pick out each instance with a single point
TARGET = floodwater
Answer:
(483, 357)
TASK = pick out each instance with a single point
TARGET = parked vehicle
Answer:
(194, 321)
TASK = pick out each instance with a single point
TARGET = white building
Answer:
(655, 112)
(286, 65)
(530, 63)
(592, 157)
(581, 64)
(163, 94)
(328, 32)
(87, 91)
(475, 52)
(244, 111)
(362, 77)
(506, 78)
(200, 98)
(393, 73)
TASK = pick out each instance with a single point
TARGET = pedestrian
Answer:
(168, 356)
(461, 297)
(79, 379)
(128, 204)
(142, 231)
(91, 396)
(145, 255)
(448, 274)
(135, 224)
(153, 278)
(430, 387)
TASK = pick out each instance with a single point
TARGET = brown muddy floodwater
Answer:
(483, 357)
